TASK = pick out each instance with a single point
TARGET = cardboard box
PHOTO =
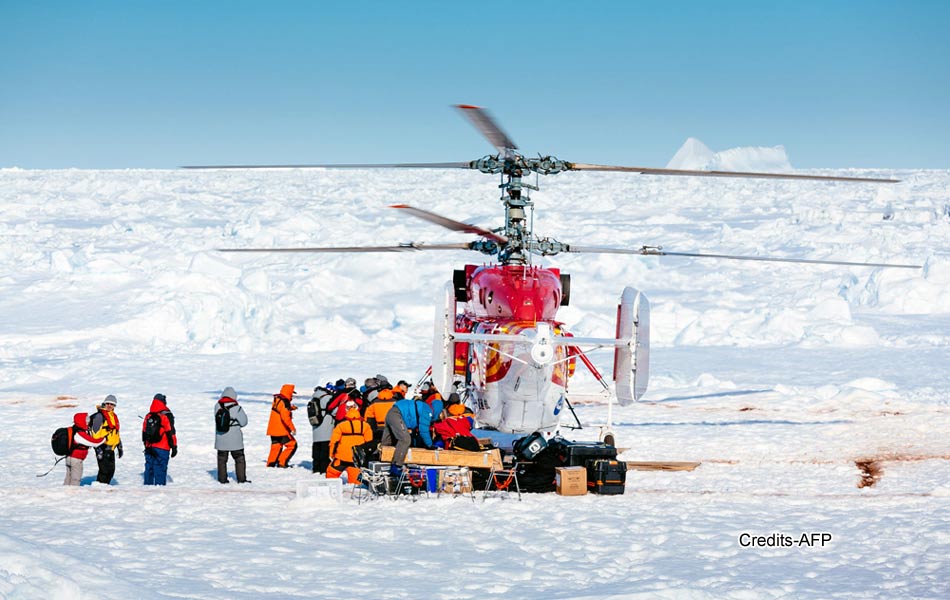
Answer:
(571, 481)
(455, 481)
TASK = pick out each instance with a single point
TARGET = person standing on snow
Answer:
(230, 441)
(105, 423)
(82, 441)
(160, 439)
(281, 428)
(346, 391)
(377, 411)
(321, 422)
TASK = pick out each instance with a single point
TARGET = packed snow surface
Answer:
(793, 385)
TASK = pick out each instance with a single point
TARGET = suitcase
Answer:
(576, 454)
(606, 476)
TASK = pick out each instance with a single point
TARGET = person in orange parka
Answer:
(376, 413)
(281, 428)
(348, 433)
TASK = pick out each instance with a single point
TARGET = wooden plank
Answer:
(660, 465)
(452, 458)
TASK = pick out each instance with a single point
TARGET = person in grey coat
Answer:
(322, 424)
(230, 440)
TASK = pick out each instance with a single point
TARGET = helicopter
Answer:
(497, 338)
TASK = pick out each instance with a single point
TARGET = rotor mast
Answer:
(513, 166)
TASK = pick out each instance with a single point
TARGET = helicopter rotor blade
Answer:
(451, 223)
(487, 126)
(405, 247)
(440, 165)
(657, 251)
(739, 174)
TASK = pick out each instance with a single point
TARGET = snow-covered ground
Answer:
(779, 378)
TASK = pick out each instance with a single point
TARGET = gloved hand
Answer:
(118, 450)
(99, 452)
(174, 451)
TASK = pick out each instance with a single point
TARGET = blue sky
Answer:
(160, 84)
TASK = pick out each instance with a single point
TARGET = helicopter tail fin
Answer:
(632, 360)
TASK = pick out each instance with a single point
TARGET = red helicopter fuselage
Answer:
(512, 392)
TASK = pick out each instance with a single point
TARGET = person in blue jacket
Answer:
(404, 418)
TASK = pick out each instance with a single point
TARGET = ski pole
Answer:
(51, 468)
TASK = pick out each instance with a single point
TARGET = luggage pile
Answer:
(540, 459)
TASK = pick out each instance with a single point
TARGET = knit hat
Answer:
(383, 380)
(159, 397)
(110, 399)
(340, 384)
(287, 391)
(453, 399)
(350, 382)
(371, 383)
(229, 393)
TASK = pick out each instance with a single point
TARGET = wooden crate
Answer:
(451, 458)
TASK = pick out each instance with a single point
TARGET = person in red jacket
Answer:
(455, 424)
(160, 439)
(82, 441)
(281, 428)
(346, 391)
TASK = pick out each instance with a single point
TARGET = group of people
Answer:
(342, 417)
(100, 431)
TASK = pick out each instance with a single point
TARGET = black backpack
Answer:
(316, 412)
(364, 453)
(222, 419)
(153, 428)
(62, 441)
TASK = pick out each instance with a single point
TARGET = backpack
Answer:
(528, 447)
(153, 428)
(465, 442)
(315, 412)
(364, 453)
(222, 419)
(62, 441)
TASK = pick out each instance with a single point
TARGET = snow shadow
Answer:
(713, 395)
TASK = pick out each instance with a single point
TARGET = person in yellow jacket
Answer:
(105, 423)
(376, 413)
(350, 432)
(281, 428)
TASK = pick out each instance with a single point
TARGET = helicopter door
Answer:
(443, 346)
(632, 360)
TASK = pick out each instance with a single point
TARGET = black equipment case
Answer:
(606, 476)
(577, 454)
